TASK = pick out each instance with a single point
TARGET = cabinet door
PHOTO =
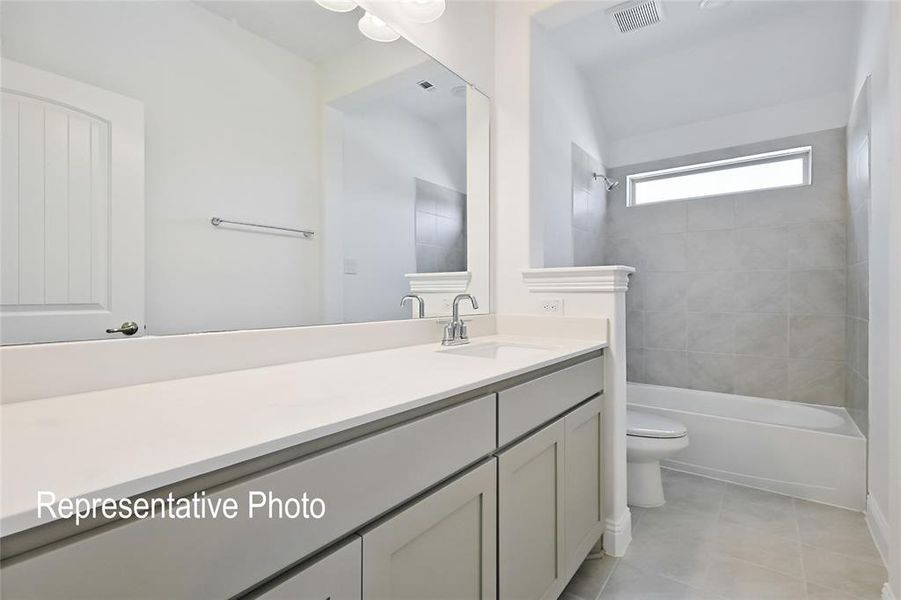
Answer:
(530, 521)
(583, 477)
(441, 547)
(337, 576)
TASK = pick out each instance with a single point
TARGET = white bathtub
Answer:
(801, 450)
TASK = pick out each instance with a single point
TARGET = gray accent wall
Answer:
(742, 293)
(857, 261)
(440, 228)
(589, 203)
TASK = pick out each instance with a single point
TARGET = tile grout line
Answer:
(719, 523)
(800, 549)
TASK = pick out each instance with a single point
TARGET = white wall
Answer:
(383, 151)
(365, 64)
(894, 333)
(231, 131)
(878, 57)
(562, 112)
(784, 120)
(872, 60)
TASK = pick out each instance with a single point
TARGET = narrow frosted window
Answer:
(785, 168)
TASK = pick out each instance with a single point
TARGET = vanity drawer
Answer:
(524, 407)
(217, 558)
(333, 577)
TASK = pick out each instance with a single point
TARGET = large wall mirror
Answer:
(210, 166)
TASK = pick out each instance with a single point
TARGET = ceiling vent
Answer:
(630, 16)
(426, 85)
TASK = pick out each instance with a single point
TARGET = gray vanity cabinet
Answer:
(531, 561)
(442, 546)
(583, 477)
(494, 497)
(335, 576)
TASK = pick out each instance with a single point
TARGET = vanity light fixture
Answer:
(423, 11)
(339, 6)
(375, 29)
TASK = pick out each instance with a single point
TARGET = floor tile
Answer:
(836, 529)
(590, 579)
(631, 583)
(751, 545)
(676, 522)
(677, 556)
(691, 492)
(740, 580)
(816, 592)
(753, 495)
(839, 572)
(637, 513)
(720, 541)
(768, 513)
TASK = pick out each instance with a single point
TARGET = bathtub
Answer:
(807, 451)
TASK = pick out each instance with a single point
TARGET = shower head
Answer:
(608, 183)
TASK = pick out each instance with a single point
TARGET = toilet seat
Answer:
(648, 425)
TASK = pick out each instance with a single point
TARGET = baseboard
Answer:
(878, 526)
(618, 534)
(887, 592)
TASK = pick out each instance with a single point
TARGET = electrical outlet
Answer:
(553, 306)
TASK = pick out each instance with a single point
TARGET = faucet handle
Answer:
(462, 332)
(450, 333)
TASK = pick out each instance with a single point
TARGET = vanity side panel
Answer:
(220, 558)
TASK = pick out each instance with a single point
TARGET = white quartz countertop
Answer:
(125, 441)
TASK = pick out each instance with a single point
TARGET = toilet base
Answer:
(645, 488)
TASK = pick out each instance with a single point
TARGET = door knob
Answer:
(126, 328)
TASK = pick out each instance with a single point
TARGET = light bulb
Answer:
(375, 29)
(423, 11)
(341, 6)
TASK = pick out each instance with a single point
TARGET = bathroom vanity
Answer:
(471, 472)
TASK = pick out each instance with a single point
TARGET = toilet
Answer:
(649, 439)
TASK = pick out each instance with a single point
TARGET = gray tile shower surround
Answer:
(440, 228)
(857, 262)
(743, 293)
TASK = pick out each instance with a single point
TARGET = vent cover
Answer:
(636, 15)
(426, 85)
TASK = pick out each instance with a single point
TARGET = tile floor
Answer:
(714, 540)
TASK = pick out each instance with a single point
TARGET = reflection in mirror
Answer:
(205, 166)
(721, 149)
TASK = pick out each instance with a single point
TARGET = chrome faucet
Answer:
(403, 302)
(455, 332)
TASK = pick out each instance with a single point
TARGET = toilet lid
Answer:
(644, 424)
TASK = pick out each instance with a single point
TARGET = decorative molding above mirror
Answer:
(270, 166)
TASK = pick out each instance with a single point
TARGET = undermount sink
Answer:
(497, 350)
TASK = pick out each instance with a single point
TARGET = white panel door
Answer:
(72, 221)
